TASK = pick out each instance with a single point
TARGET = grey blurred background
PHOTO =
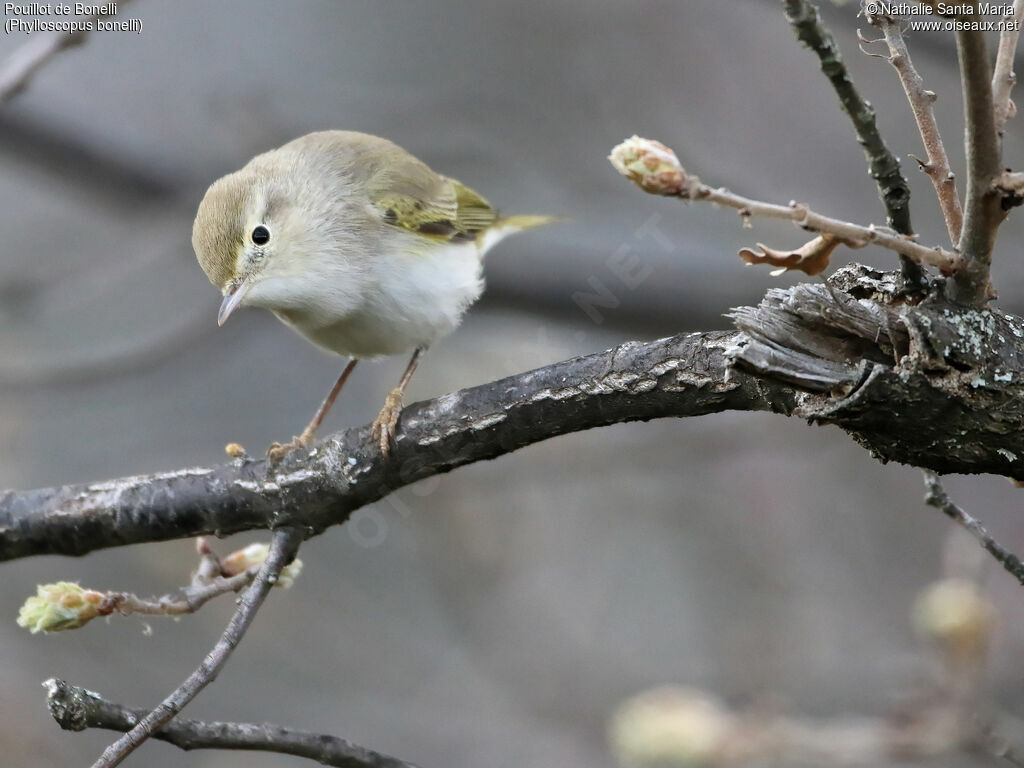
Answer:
(498, 615)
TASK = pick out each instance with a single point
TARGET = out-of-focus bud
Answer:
(650, 165)
(235, 450)
(955, 614)
(56, 607)
(667, 727)
(253, 556)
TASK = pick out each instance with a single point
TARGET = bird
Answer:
(357, 246)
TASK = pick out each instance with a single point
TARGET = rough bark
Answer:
(934, 384)
(930, 384)
(684, 375)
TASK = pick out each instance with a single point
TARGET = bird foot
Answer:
(384, 425)
(278, 451)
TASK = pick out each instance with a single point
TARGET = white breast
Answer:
(410, 299)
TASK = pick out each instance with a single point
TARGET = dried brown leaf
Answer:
(811, 258)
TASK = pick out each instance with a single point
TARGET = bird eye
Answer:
(261, 235)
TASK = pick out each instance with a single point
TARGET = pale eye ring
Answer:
(261, 235)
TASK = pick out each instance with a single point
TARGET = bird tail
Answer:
(510, 225)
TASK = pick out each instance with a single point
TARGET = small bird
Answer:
(356, 245)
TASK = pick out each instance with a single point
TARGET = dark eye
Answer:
(261, 235)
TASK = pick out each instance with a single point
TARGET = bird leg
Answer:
(387, 419)
(278, 451)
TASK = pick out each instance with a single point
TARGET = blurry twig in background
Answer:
(76, 709)
(18, 69)
(999, 746)
(937, 497)
(921, 101)
(21, 371)
(283, 547)
(682, 726)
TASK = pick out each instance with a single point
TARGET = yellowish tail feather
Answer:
(509, 226)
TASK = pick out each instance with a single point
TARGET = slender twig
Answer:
(883, 164)
(188, 600)
(1003, 76)
(18, 69)
(283, 547)
(921, 101)
(854, 235)
(937, 497)
(656, 170)
(982, 210)
(76, 709)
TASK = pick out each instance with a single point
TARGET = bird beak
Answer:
(232, 300)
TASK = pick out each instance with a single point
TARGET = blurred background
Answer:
(498, 615)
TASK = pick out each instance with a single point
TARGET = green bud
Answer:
(60, 606)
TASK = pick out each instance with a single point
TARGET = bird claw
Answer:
(278, 451)
(384, 425)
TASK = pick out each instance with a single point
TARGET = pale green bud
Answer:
(650, 165)
(55, 607)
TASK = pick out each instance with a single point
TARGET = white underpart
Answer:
(409, 294)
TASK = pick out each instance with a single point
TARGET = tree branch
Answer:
(937, 497)
(76, 709)
(656, 170)
(921, 101)
(283, 547)
(684, 375)
(934, 385)
(18, 69)
(983, 212)
(883, 165)
(1003, 76)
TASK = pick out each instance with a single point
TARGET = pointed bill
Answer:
(232, 300)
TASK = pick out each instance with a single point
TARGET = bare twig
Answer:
(937, 497)
(921, 101)
(76, 709)
(18, 69)
(884, 166)
(1003, 76)
(982, 210)
(854, 235)
(189, 600)
(283, 547)
(656, 170)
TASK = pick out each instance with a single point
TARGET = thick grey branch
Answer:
(76, 709)
(684, 375)
(934, 385)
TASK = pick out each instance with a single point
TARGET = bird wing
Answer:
(411, 196)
